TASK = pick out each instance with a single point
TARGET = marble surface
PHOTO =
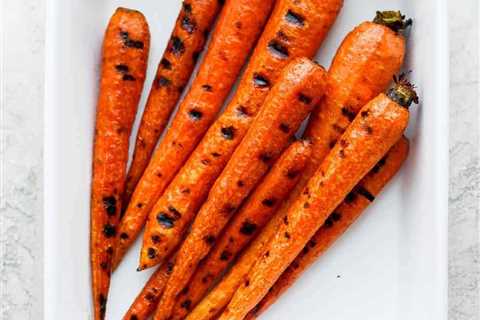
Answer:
(464, 199)
(21, 83)
(22, 56)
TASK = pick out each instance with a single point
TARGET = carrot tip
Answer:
(393, 20)
(403, 91)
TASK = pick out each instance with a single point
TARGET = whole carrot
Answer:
(194, 20)
(147, 300)
(256, 211)
(366, 61)
(372, 133)
(296, 29)
(300, 87)
(124, 61)
(338, 222)
(237, 29)
(358, 58)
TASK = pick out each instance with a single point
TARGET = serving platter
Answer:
(390, 265)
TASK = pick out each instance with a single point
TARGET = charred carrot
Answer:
(147, 300)
(355, 60)
(124, 61)
(299, 89)
(368, 58)
(245, 225)
(338, 222)
(217, 299)
(193, 22)
(372, 133)
(238, 28)
(296, 29)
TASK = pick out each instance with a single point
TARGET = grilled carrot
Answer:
(239, 25)
(245, 225)
(358, 58)
(298, 36)
(363, 67)
(147, 300)
(338, 222)
(124, 61)
(220, 296)
(194, 20)
(373, 132)
(299, 89)
(217, 299)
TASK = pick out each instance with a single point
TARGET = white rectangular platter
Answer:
(390, 265)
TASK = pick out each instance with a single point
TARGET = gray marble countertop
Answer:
(21, 165)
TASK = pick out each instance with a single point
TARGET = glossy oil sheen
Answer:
(390, 265)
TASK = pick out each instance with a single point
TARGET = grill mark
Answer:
(295, 18)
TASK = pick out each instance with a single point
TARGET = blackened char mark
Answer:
(188, 24)
(349, 114)
(295, 18)
(260, 81)
(130, 43)
(278, 49)
(166, 64)
(177, 47)
(365, 193)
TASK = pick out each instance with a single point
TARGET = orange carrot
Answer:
(188, 190)
(148, 298)
(363, 66)
(356, 59)
(338, 222)
(372, 133)
(124, 61)
(300, 87)
(218, 298)
(256, 211)
(194, 20)
(238, 28)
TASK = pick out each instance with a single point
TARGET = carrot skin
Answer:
(173, 71)
(253, 215)
(289, 102)
(124, 61)
(338, 222)
(227, 52)
(372, 133)
(190, 187)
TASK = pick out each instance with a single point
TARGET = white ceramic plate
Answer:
(390, 265)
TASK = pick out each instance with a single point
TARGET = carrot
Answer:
(238, 27)
(124, 62)
(298, 36)
(147, 300)
(359, 57)
(245, 225)
(373, 132)
(363, 67)
(194, 20)
(218, 298)
(300, 87)
(338, 222)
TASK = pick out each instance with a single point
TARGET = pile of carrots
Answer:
(237, 205)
